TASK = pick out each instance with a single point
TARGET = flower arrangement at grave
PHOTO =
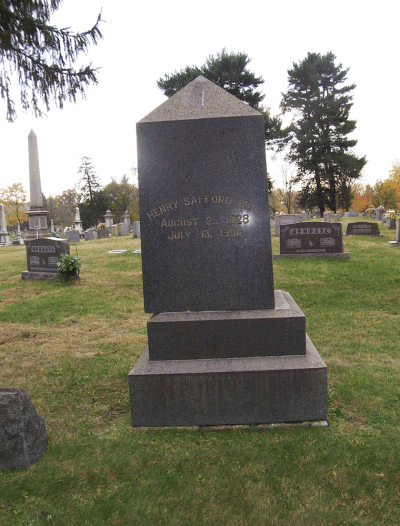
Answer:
(69, 266)
(391, 214)
(67, 229)
(101, 226)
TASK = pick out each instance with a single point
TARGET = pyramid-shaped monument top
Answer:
(200, 99)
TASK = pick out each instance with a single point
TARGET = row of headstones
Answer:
(287, 219)
(316, 239)
(119, 229)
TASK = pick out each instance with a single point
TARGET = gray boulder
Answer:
(22, 431)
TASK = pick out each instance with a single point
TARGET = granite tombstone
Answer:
(204, 208)
(312, 240)
(363, 228)
(73, 236)
(43, 255)
(103, 233)
(90, 235)
(207, 275)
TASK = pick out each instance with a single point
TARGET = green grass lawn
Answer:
(71, 346)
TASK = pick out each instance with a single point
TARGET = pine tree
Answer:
(93, 201)
(41, 56)
(230, 72)
(227, 70)
(318, 140)
(88, 184)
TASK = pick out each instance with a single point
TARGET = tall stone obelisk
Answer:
(37, 214)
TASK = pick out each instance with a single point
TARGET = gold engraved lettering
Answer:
(231, 232)
(185, 221)
(238, 219)
(207, 198)
(247, 205)
(175, 235)
(162, 209)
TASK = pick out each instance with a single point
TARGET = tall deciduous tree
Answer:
(14, 200)
(41, 56)
(384, 194)
(230, 72)
(122, 196)
(61, 208)
(394, 179)
(318, 141)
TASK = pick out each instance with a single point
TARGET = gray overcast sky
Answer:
(145, 40)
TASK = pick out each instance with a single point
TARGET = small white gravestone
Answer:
(4, 239)
(136, 229)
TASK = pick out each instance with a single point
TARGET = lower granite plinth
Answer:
(229, 391)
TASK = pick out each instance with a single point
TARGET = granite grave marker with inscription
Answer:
(312, 240)
(43, 255)
(363, 228)
(207, 275)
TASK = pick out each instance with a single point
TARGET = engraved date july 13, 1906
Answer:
(210, 227)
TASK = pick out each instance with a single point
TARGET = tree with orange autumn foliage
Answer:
(394, 179)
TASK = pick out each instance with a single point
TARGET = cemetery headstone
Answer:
(43, 255)
(90, 235)
(4, 238)
(116, 230)
(78, 222)
(318, 214)
(109, 219)
(363, 228)
(23, 437)
(125, 231)
(73, 236)
(312, 240)
(380, 212)
(136, 229)
(18, 240)
(327, 216)
(205, 230)
(102, 233)
(397, 240)
(286, 219)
